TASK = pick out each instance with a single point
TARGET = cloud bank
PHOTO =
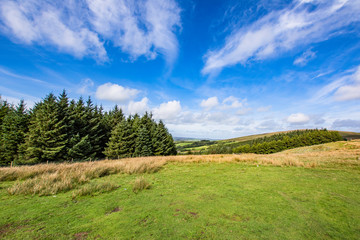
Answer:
(81, 28)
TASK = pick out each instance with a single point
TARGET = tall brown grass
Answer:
(140, 184)
(47, 179)
(50, 179)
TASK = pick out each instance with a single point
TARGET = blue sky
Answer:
(210, 69)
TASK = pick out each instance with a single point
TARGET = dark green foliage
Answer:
(114, 117)
(122, 141)
(80, 148)
(4, 110)
(57, 130)
(294, 139)
(170, 148)
(14, 128)
(160, 139)
(46, 138)
(143, 145)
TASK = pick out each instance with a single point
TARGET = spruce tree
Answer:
(63, 110)
(81, 148)
(170, 146)
(160, 139)
(14, 128)
(122, 141)
(4, 110)
(114, 117)
(78, 131)
(45, 140)
(143, 145)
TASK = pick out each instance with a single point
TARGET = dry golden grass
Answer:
(94, 188)
(47, 179)
(140, 184)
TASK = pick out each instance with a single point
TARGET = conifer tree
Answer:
(78, 131)
(45, 139)
(63, 106)
(122, 141)
(81, 148)
(114, 117)
(14, 128)
(170, 146)
(143, 145)
(4, 110)
(160, 139)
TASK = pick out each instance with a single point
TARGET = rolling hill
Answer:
(344, 134)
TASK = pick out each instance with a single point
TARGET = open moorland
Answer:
(303, 193)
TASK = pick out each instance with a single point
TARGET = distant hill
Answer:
(346, 135)
(177, 139)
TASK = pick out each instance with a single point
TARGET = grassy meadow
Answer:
(303, 193)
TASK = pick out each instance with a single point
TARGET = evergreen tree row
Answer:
(57, 130)
(290, 140)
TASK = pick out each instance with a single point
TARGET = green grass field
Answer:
(203, 200)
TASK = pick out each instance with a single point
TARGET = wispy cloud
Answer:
(303, 23)
(343, 88)
(80, 28)
(307, 56)
(85, 86)
(9, 74)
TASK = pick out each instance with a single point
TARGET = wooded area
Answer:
(57, 130)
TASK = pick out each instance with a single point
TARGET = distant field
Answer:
(304, 193)
(184, 149)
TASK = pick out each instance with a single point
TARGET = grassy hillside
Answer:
(305, 193)
(347, 135)
(185, 147)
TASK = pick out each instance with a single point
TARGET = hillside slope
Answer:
(344, 134)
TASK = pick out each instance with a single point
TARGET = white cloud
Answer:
(348, 92)
(45, 24)
(305, 58)
(232, 102)
(351, 90)
(283, 30)
(138, 107)
(298, 118)
(167, 111)
(209, 103)
(344, 88)
(136, 27)
(115, 93)
(76, 27)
